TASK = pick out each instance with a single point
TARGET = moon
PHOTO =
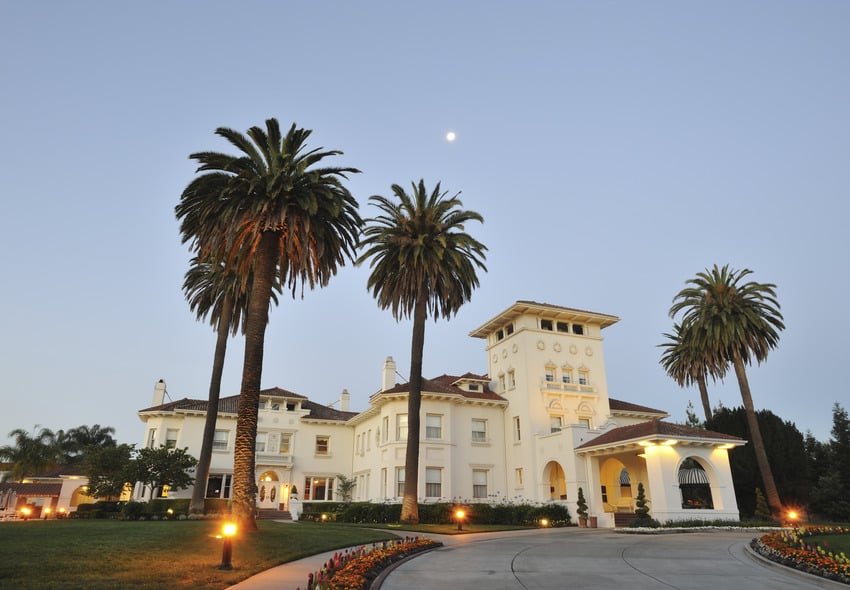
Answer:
(451, 136)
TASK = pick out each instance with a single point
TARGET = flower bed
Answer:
(791, 549)
(356, 569)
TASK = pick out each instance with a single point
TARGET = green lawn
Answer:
(102, 554)
(834, 543)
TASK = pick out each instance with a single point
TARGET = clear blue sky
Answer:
(615, 149)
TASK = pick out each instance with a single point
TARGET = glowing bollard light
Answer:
(459, 515)
(544, 522)
(227, 532)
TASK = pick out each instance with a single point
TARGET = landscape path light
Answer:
(459, 515)
(227, 532)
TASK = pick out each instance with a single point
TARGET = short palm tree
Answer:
(423, 263)
(216, 293)
(687, 364)
(31, 453)
(737, 322)
(275, 218)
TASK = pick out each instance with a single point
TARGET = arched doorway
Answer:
(616, 481)
(694, 485)
(267, 489)
(554, 474)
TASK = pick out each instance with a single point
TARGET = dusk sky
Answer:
(614, 149)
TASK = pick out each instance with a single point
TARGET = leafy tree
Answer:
(832, 488)
(687, 363)
(786, 450)
(736, 322)
(31, 454)
(762, 511)
(691, 418)
(108, 469)
(345, 486)
(275, 218)
(423, 263)
(163, 466)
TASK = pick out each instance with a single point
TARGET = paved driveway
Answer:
(594, 558)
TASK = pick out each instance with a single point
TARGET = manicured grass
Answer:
(101, 555)
(835, 543)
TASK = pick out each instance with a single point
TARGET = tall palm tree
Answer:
(216, 293)
(737, 322)
(423, 263)
(687, 364)
(274, 218)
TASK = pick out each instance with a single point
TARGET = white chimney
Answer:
(344, 400)
(158, 393)
(388, 381)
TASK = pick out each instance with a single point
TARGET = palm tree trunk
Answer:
(256, 320)
(203, 468)
(410, 502)
(755, 434)
(703, 394)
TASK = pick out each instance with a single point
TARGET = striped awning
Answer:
(625, 480)
(693, 476)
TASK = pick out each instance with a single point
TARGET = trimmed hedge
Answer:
(441, 513)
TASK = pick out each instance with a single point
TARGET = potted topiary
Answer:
(581, 509)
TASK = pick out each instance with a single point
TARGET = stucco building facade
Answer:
(536, 428)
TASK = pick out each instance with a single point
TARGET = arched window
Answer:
(694, 485)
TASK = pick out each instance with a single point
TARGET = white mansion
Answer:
(539, 426)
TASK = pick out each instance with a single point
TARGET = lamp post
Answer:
(459, 515)
(227, 532)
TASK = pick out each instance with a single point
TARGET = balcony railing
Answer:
(561, 386)
(274, 458)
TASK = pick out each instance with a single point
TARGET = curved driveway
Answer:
(553, 559)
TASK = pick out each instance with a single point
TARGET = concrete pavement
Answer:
(552, 559)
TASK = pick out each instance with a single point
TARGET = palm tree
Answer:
(423, 263)
(687, 364)
(737, 322)
(31, 454)
(273, 218)
(213, 291)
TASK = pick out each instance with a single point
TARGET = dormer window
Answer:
(546, 325)
(473, 387)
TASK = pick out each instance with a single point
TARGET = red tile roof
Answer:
(657, 428)
(30, 490)
(446, 384)
(230, 405)
(617, 405)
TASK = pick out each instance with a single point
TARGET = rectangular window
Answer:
(220, 440)
(285, 442)
(479, 430)
(433, 426)
(517, 432)
(604, 494)
(152, 438)
(171, 438)
(322, 445)
(399, 482)
(261, 442)
(562, 327)
(500, 334)
(501, 383)
(385, 434)
(546, 325)
(566, 376)
(318, 488)
(578, 329)
(433, 482)
(583, 378)
(555, 423)
(550, 375)
(383, 482)
(479, 483)
(473, 387)
(511, 379)
(518, 476)
(369, 440)
(218, 485)
(509, 329)
(584, 422)
(401, 427)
